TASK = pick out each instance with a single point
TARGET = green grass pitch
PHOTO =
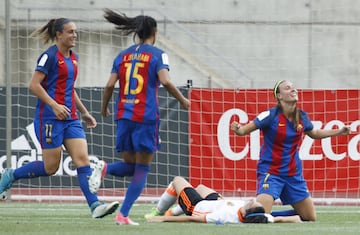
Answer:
(74, 218)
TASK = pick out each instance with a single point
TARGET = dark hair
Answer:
(255, 215)
(256, 218)
(47, 33)
(258, 209)
(142, 26)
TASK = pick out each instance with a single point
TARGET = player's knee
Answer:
(51, 170)
(308, 217)
(200, 187)
(312, 218)
(176, 180)
(180, 182)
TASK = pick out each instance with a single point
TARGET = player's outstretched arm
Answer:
(198, 219)
(242, 130)
(288, 219)
(320, 133)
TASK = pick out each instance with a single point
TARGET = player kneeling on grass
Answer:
(279, 169)
(203, 204)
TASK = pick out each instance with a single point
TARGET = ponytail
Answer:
(296, 118)
(142, 26)
(47, 33)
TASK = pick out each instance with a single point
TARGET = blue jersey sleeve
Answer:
(46, 60)
(162, 61)
(44, 63)
(264, 119)
(116, 63)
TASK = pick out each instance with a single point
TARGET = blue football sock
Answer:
(83, 173)
(31, 170)
(284, 213)
(135, 188)
(120, 169)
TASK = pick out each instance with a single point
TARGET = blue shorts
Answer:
(290, 189)
(137, 137)
(52, 133)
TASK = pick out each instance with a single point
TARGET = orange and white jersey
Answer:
(219, 211)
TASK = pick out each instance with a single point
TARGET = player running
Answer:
(139, 70)
(56, 121)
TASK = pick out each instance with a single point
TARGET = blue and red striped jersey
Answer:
(137, 68)
(59, 82)
(279, 154)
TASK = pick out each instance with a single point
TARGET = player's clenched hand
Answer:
(105, 112)
(235, 126)
(345, 130)
(185, 103)
(90, 120)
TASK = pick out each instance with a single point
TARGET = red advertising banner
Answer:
(226, 162)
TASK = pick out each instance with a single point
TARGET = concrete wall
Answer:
(229, 43)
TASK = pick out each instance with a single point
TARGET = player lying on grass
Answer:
(204, 205)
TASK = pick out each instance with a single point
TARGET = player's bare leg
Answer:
(266, 200)
(305, 209)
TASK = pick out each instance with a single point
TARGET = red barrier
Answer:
(226, 162)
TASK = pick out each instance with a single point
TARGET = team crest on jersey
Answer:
(229, 203)
(48, 140)
(299, 127)
(75, 62)
(266, 185)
